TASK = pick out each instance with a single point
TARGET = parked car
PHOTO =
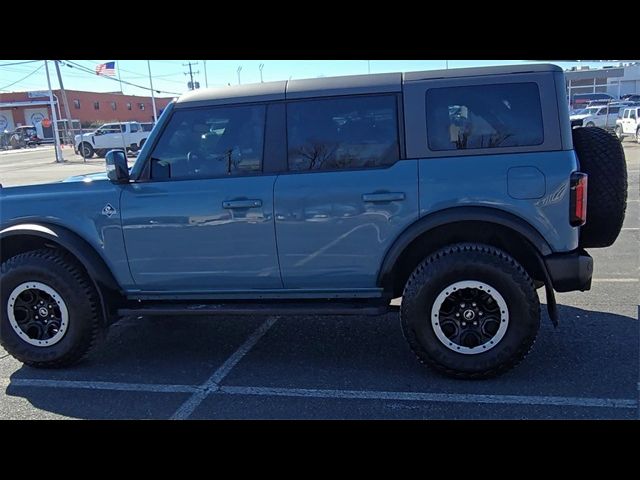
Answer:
(128, 136)
(461, 191)
(583, 99)
(628, 123)
(631, 97)
(25, 136)
(603, 116)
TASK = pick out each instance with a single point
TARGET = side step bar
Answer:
(306, 308)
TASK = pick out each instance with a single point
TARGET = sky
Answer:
(169, 77)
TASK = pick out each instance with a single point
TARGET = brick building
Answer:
(27, 108)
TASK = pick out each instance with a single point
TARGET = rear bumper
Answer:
(570, 271)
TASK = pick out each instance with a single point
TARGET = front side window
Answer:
(210, 142)
(484, 116)
(626, 113)
(342, 133)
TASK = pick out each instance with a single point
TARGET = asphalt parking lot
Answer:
(329, 367)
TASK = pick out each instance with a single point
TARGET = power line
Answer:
(23, 78)
(17, 63)
(82, 68)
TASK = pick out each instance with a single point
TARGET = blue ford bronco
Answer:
(460, 191)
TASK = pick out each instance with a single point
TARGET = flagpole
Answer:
(119, 79)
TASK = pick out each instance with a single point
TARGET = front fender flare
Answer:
(102, 278)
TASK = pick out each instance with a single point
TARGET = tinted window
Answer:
(134, 127)
(210, 142)
(614, 110)
(331, 134)
(110, 128)
(484, 116)
(626, 113)
(632, 114)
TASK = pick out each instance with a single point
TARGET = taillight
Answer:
(578, 202)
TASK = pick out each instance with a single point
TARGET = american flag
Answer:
(108, 68)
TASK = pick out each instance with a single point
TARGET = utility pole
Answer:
(191, 85)
(153, 98)
(239, 70)
(56, 135)
(206, 81)
(368, 66)
(68, 125)
(260, 68)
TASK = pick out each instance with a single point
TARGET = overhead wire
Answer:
(23, 78)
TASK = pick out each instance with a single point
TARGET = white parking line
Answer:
(201, 392)
(630, 229)
(433, 397)
(117, 386)
(211, 385)
(615, 280)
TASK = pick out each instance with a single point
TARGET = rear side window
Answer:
(134, 127)
(484, 117)
(632, 114)
(342, 133)
(210, 142)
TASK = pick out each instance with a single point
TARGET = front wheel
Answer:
(638, 135)
(470, 311)
(86, 150)
(50, 310)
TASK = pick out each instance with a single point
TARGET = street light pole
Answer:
(260, 68)
(206, 81)
(56, 135)
(239, 70)
(153, 98)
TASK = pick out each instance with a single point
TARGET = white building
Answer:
(615, 81)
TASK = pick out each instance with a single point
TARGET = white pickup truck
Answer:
(125, 135)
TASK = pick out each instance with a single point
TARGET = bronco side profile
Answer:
(460, 191)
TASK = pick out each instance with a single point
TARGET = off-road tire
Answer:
(601, 156)
(483, 263)
(61, 272)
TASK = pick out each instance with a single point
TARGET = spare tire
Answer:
(601, 156)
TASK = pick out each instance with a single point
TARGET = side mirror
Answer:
(117, 168)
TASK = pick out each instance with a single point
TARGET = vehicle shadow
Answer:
(591, 354)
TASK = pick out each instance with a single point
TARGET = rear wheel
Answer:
(470, 311)
(618, 132)
(50, 310)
